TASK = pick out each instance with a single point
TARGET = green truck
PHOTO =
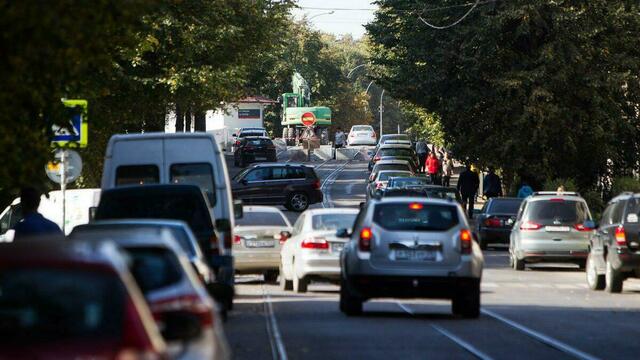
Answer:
(296, 105)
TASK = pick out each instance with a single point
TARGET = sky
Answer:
(342, 21)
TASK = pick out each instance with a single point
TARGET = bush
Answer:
(553, 185)
(623, 184)
(595, 202)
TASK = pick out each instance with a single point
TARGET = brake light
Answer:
(581, 227)
(374, 134)
(379, 185)
(316, 184)
(366, 236)
(376, 158)
(556, 200)
(621, 238)
(530, 226)
(237, 142)
(492, 222)
(237, 239)
(190, 303)
(315, 243)
(416, 206)
(283, 238)
(465, 241)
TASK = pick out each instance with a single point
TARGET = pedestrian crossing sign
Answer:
(73, 131)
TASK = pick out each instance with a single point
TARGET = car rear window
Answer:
(505, 206)
(156, 205)
(392, 167)
(362, 128)
(137, 175)
(408, 181)
(441, 193)
(333, 221)
(396, 152)
(396, 137)
(415, 217)
(560, 211)
(154, 267)
(49, 304)
(200, 174)
(384, 176)
(261, 218)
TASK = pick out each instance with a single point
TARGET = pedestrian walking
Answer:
(340, 138)
(492, 184)
(447, 170)
(421, 151)
(525, 190)
(468, 183)
(433, 167)
(33, 224)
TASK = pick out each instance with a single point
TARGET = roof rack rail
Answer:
(558, 193)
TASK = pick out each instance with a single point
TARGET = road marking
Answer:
(470, 348)
(275, 338)
(326, 202)
(556, 344)
(465, 345)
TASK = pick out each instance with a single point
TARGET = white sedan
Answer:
(257, 241)
(313, 251)
(362, 135)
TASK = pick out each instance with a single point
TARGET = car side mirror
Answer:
(343, 233)
(92, 213)
(590, 224)
(238, 209)
(285, 235)
(180, 326)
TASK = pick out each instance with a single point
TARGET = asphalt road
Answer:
(543, 313)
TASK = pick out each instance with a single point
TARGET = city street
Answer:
(544, 312)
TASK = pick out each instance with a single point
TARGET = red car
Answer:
(72, 301)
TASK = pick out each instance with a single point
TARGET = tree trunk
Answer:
(179, 118)
(187, 120)
(201, 121)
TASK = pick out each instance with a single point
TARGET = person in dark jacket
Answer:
(33, 224)
(492, 184)
(468, 183)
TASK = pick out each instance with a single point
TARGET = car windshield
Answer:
(261, 218)
(415, 216)
(362, 128)
(557, 212)
(154, 267)
(504, 206)
(396, 137)
(41, 304)
(385, 175)
(333, 221)
(383, 167)
(395, 152)
(156, 205)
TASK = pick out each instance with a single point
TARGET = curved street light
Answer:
(354, 69)
(324, 13)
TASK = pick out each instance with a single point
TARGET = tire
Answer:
(300, 285)
(594, 280)
(467, 304)
(518, 265)
(285, 285)
(349, 304)
(613, 280)
(297, 201)
(270, 277)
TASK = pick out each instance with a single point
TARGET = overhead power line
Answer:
(473, 7)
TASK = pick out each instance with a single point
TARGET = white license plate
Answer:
(337, 247)
(362, 134)
(259, 243)
(557, 228)
(417, 255)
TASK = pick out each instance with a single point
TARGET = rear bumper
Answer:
(493, 236)
(315, 196)
(410, 287)
(367, 141)
(532, 256)
(318, 266)
(264, 156)
(625, 261)
(247, 261)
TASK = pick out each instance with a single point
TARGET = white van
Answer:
(191, 158)
(79, 202)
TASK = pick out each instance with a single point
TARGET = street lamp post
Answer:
(324, 13)
(354, 69)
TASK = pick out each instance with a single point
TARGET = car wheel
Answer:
(518, 264)
(349, 304)
(270, 277)
(613, 279)
(594, 280)
(298, 202)
(299, 284)
(467, 304)
(285, 285)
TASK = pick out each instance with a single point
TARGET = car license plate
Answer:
(259, 243)
(362, 134)
(557, 229)
(416, 255)
(261, 158)
(337, 247)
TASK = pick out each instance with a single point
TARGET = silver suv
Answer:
(550, 227)
(411, 247)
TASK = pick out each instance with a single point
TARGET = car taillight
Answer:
(530, 226)
(283, 238)
(237, 239)
(190, 303)
(316, 185)
(315, 243)
(352, 135)
(379, 185)
(134, 334)
(374, 134)
(465, 241)
(492, 222)
(581, 227)
(376, 158)
(237, 142)
(134, 354)
(366, 236)
(621, 238)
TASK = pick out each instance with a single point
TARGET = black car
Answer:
(395, 152)
(428, 191)
(494, 223)
(253, 149)
(295, 186)
(183, 202)
(614, 252)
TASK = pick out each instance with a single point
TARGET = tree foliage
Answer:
(542, 89)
